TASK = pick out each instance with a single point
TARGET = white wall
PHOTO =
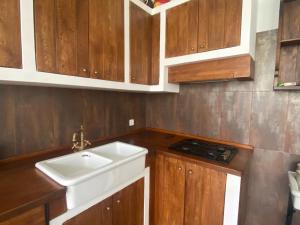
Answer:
(267, 15)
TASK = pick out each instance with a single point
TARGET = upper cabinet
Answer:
(10, 34)
(287, 75)
(144, 46)
(203, 25)
(205, 41)
(125, 45)
(80, 37)
(107, 39)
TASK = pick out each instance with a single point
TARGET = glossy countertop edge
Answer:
(30, 159)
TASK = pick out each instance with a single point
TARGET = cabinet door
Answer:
(224, 23)
(128, 205)
(106, 39)
(10, 34)
(182, 29)
(61, 31)
(204, 196)
(100, 214)
(140, 45)
(291, 20)
(171, 186)
(72, 37)
(26, 218)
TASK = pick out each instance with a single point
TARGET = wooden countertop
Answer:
(23, 187)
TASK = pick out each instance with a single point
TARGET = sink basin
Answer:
(93, 172)
(73, 168)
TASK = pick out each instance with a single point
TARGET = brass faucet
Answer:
(79, 145)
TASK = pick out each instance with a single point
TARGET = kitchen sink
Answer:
(93, 172)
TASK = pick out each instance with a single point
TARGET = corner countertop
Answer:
(23, 187)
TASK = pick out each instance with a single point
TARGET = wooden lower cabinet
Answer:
(189, 194)
(35, 216)
(124, 208)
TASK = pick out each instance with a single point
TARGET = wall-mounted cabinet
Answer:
(123, 44)
(201, 34)
(287, 74)
(10, 30)
(81, 38)
(203, 25)
(144, 46)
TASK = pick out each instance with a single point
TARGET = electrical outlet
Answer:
(131, 122)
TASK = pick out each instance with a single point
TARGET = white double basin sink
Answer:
(91, 173)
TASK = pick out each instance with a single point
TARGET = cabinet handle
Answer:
(84, 70)
(190, 172)
(107, 208)
(96, 72)
(180, 168)
(192, 49)
(118, 201)
(202, 46)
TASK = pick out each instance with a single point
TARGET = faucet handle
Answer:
(87, 143)
(74, 136)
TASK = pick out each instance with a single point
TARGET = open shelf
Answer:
(289, 42)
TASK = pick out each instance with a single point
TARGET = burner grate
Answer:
(217, 152)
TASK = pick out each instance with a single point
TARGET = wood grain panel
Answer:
(288, 64)
(233, 20)
(45, 35)
(96, 38)
(106, 212)
(128, 205)
(216, 24)
(227, 68)
(140, 45)
(34, 124)
(182, 29)
(10, 30)
(34, 216)
(113, 40)
(66, 37)
(7, 122)
(291, 20)
(82, 26)
(171, 203)
(203, 13)
(204, 196)
(155, 49)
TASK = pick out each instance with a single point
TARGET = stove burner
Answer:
(217, 152)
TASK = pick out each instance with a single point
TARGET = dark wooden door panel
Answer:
(45, 35)
(140, 45)
(155, 49)
(10, 34)
(216, 24)
(291, 20)
(233, 20)
(204, 196)
(95, 38)
(66, 37)
(172, 186)
(113, 40)
(100, 214)
(106, 39)
(82, 26)
(203, 25)
(182, 29)
(128, 205)
(35, 216)
(61, 31)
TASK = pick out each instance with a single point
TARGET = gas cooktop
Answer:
(217, 152)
